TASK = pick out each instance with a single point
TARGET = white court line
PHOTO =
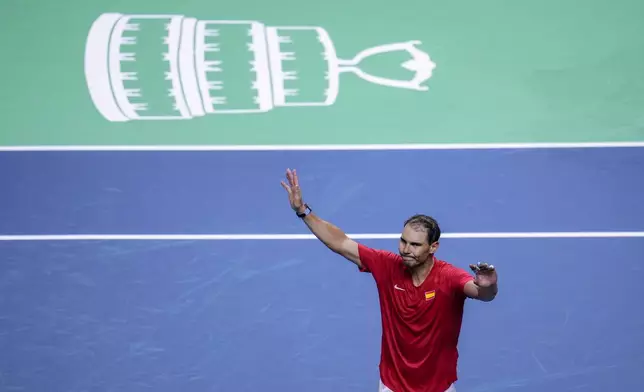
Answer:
(327, 147)
(229, 237)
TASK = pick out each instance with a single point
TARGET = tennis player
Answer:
(421, 298)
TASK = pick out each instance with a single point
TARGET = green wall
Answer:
(505, 71)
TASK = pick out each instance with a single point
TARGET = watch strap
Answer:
(307, 210)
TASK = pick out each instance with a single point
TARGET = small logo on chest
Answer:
(429, 295)
(398, 287)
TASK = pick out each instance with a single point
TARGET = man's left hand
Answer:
(485, 274)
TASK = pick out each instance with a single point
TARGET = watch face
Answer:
(307, 209)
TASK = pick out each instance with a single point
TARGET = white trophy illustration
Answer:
(171, 67)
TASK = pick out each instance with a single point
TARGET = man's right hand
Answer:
(334, 238)
(294, 191)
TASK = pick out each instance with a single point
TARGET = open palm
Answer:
(485, 274)
(293, 190)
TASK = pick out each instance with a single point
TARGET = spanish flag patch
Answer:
(430, 295)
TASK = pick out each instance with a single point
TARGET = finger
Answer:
(485, 266)
(482, 268)
(288, 188)
(296, 181)
(489, 271)
(289, 176)
(293, 179)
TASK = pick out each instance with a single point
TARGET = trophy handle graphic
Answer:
(420, 63)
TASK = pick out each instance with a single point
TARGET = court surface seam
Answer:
(228, 237)
(325, 147)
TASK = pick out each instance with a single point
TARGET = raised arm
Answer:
(330, 235)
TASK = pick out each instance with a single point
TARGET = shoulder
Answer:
(368, 251)
(376, 259)
(452, 276)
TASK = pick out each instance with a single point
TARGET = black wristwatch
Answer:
(305, 213)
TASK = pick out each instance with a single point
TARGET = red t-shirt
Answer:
(420, 325)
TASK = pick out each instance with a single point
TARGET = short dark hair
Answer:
(428, 223)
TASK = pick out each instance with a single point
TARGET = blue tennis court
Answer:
(231, 313)
(146, 244)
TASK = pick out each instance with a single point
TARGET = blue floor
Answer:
(290, 316)
(369, 191)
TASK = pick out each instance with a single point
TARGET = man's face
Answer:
(413, 246)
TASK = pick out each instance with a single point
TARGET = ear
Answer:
(434, 247)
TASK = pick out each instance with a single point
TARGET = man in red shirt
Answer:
(421, 298)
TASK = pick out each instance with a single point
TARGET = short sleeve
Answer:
(375, 261)
(457, 277)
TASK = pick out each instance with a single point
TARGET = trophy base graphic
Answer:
(172, 67)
